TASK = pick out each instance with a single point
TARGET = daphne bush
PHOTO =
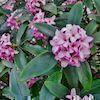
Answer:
(49, 50)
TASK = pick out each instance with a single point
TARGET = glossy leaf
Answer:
(34, 49)
(3, 11)
(27, 36)
(21, 32)
(26, 16)
(4, 72)
(55, 69)
(85, 75)
(58, 2)
(75, 14)
(46, 29)
(91, 27)
(3, 27)
(7, 64)
(19, 90)
(62, 20)
(1, 67)
(20, 60)
(35, 98)
(97, 96)
(95, 87)
(45, 93)
(88, 3)
(51, 7)
(95, 17)
(97, 37)
(97, 5)
(56, 89)
(38, 66)
(7, 93)
(71, 76)
(55, 77)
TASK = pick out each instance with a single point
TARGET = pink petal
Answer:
(64, 63)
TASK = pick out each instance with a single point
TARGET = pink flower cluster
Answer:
(13, 21)
(74, 96)
(71, 45)
(34, 5)
(31, 82)
(6, 51)
(69, 2)
(40, 18)
(9, 5)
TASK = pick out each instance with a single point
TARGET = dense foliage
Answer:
(50, 49)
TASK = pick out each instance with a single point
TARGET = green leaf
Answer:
(93, 50)
(4, 72)
(96, 83)
(46, 29)
(91, 27)
(95, 87)
(75, 14)
(1, 67)
(19, 90)
(97, 37)
(35, 98)
(44, 93)
(51, 7)
(71, 76)
(20, 59)
(62, 20)
(95, 17)
(21, 32)
(55, 77)
(7, 64)
(55, 69)
(7, 93)
(88, 3)
(58, 2)
(38, 66)
(35, 89)
(3, 26)
(26, 16)
(27, 36)
(34, 49)
(56, 89)
(97, 96)
(97, 4)
(4, 12)
(85, 75)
